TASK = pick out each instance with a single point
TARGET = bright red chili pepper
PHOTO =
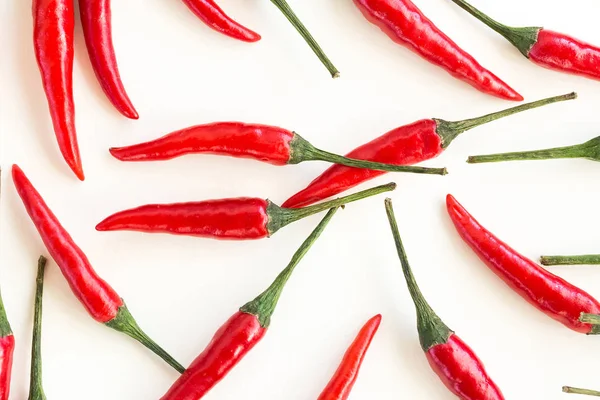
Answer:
(239, 334)
(97, 29)
(237, 219)
(340, 385)
(405, 24)
(546, 48)
(99, 299)
(451, 359)
(408, 144)
(547, 292)
(7, 348)
(36, 390)
(265, 143)
(54, 22)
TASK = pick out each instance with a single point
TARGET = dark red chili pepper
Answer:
(409, 144)
(265, 143)
(405, 24)
(36, 390)
(239, 334)
(7, 348)
(340, 385)
(97, 29)
(547, 292)
(212, 15)
(99, 299)
(544, 47)
(53, 22)
(240, 218)
(451, 359)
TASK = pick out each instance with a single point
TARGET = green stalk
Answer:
(569, 389)
(36, 390)
(588, 259)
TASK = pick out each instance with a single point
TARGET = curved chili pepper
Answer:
(36, 390)
(544, 47)
(340, 385)
(97, 29)
(259, 142)
(239, 334)
(240, 218)
(406, 145)
(99, 299)
(212, 15)
(54, 22)
(547, 292)
(7, 348)
(451, 359)
(405, 24)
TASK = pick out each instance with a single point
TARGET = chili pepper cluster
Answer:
(456, 364)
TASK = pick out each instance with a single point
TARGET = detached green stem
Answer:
(569, 389)
(576, 151)
(36, 390)
(588, 259)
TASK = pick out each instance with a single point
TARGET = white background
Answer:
(179, 73)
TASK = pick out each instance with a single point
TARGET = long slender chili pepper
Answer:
(588, 259)
(213, 16)
(97, 29)
(451, 359)
(54, 22)
(544, 47)
(545, 291)
(36, 390)
(569, 389)
(239, 334)
(340, 385)
(405, 24)
(99, 299)
(406, 145)
(259, 142)
(7, 345)
(240, 218)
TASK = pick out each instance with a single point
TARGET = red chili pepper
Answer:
(405, 24)
(54, 22)
(99, 299)
(340, 385)
(451, 359)
(409, 144)
(547, 292)
(265, 143)
(36, 390)
(544, 47)
(240, 218)
(239, 334)
(97, 29)
(7, 348)
(212, 15)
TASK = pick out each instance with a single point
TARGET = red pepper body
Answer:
(461, 371)
(227, 348)
(547, 292)
(7, 348)
(405, 24)
(54, 22)
(406, 145)
(97, 29)
(100, 300)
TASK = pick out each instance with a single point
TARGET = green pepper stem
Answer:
(588, 259)
(576, 151)
(36, 390)
(5, 329)
(569, 389)
(264, 305)
(285, 8)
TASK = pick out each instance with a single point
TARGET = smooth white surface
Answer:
(178, 73)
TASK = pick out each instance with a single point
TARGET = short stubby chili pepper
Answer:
(239, 334)
(54, 22)
(98, 297)
(7, 349)
(36, 389)
(547, 292)
(545, 47)
(342, 382)
(242, 218)
(271, 144)
(213, 16)
(406, 145)
(405, 24)
(451, 359)
(97, 29)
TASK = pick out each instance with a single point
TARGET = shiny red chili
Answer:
(547, 292)
(7, 348)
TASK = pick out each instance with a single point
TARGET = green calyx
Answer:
(36, 390)
(432, 330)
(5, 329)
(588, 259)
(572, 390)
(592, 319)
(264, 305)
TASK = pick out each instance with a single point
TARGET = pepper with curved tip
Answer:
(239, 334)
(459, 368)
(98, 297)
(406, 145)
(36, 389)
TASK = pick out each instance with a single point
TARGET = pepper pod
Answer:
(7, 345)
(36, 389)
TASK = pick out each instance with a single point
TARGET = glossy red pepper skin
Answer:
(54, 22)
(97, 30)
(7, 348)
(547, 292)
